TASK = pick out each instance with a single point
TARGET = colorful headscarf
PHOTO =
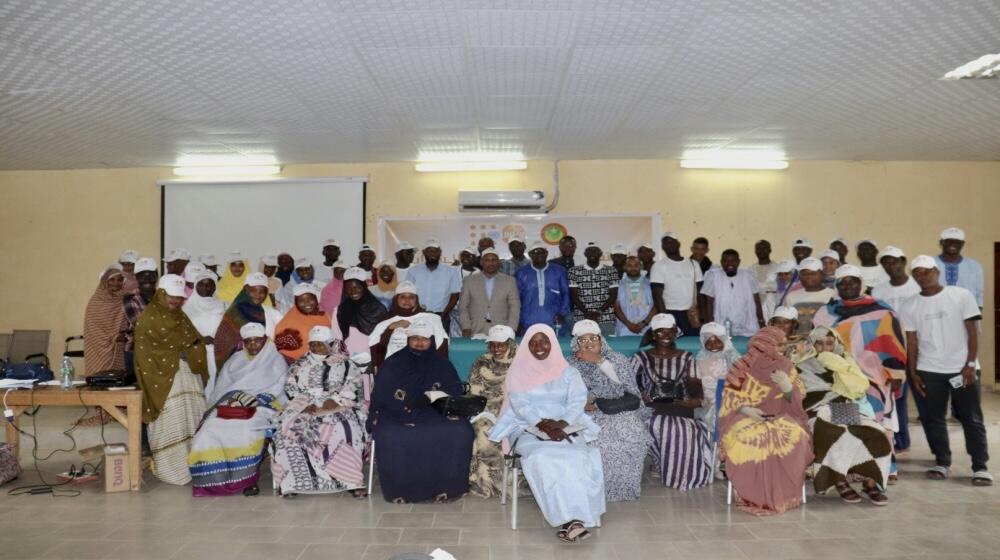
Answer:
(230, 286)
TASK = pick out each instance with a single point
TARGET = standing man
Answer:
(404, 259)
(567, 249)
(366, 262)
(801, 248)
(331, 254)
(489, 298)
(871, 272)
(647, 256)
(133, 304)
(517, 259)
(483, 244)
(765, 271)
(733, 296)
(438, 286)
(127, 259)
(812, 296)
(177, 260)
(618, 255)
(593, 287)
(674, 281)
(942, 349)
(831, 262)
(839, 244)
(699, 254)
(544, 292)
(958, 269)
(210, 263)
(897, 290)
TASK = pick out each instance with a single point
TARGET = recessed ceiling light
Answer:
(985, 67)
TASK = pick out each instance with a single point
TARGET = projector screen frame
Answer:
(164, 183)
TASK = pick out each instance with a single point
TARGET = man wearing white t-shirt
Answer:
(673, 280)
(941, 345)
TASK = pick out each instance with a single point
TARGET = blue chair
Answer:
(719, 387)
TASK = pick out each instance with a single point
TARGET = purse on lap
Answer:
(625, 403)
(845, 414)
(460, 405)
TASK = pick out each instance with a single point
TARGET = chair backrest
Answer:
(719, 386)
(5, 340)
(27, 342)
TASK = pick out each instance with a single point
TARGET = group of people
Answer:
(323, 363)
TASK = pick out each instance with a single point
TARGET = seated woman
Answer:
(713, 361)
(320, 439)
(104, 324)
(359, 312)
(545, 400)
(171, 366)
(786, 319)
(229, 446)
(421, 455)
(206, 311)
(386, 282)
(291, 334)
(624, 438)
(847, 439)
(668, 379)
(248, 307)
(764, 437)
(389, 335)
(487, 378)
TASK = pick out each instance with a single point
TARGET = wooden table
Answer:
(125, 406)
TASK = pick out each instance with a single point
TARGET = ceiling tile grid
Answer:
(94, 83)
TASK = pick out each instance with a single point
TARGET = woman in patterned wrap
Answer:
(487, 378)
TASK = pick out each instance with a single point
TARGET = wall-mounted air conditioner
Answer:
(501, 201)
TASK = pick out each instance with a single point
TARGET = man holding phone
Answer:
(942, 344)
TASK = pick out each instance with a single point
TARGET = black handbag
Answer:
(625, 403)
(668, 391)
(461, 405)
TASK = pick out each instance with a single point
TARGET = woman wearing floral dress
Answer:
(487, 378)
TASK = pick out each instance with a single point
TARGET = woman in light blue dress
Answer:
(543, 419)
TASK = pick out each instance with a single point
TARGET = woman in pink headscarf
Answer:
(765, 436)
(543, 420)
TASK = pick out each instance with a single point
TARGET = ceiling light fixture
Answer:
(470, 161)
(985, 67)
(734, 159)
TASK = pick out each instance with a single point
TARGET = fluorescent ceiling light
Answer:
(734, 159)
(983, 68)
(471, 161)
(199, 160)
(226, 170)
(431, 166)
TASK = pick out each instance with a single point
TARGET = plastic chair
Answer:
(719, 387)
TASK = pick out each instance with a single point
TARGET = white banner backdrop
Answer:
(456, 232)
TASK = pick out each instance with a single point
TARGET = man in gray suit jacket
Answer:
(488, 298)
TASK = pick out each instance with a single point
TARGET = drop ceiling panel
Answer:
(122, 82)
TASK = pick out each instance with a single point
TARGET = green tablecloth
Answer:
(463, 351)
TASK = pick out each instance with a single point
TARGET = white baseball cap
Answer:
(319, 333)
(891, 251)
(252, 330)
(303, 262)
(786, 312)
(406, 287)
(662, 321)
(829, 254)
(331, 243)
(339, 264)
(802, 242)
(404, 246)
(178, 255)
(924, 261)
(366, 247)
(192, 270)
(305, 288)
(145, 264)
(256, 279)
(420, 328)
(173, 285)
(538, 245)
(618, 249)
(235, 256)
(489, 251)
(953, 233)
(810, 263)
(128, 256)
(207, 260)
(432, 243)
(269, 260)
(586, 326)
(866, 240)
(357, 273)
(847, 270)
(499, 333)
(785, 266)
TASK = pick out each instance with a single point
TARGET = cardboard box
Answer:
(116, 477)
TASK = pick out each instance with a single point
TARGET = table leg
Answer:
(134, 445)
(13, 438)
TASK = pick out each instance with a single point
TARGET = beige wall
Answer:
(58, 228)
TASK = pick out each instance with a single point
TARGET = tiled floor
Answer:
(932, 520)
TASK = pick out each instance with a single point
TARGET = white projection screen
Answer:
(262, 218)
